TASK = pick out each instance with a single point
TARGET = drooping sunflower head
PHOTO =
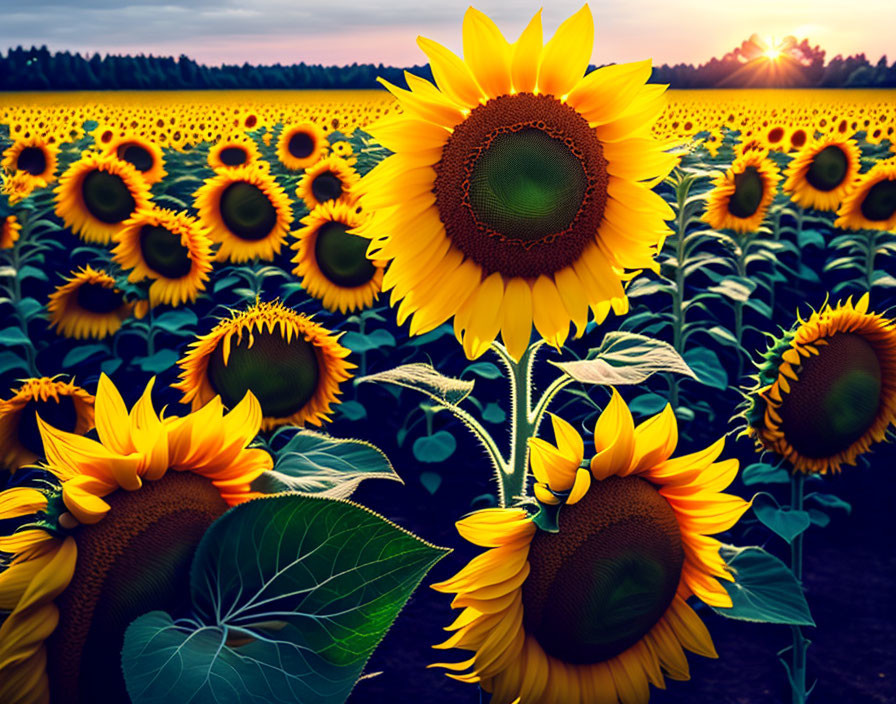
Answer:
(112, 538)
(826, 391)
(741, 196)
(141, 153)
(519, 188)
(598, 607)
(822, 173)
(871, 204)
(292, 365)
(332, 261)
(246, 212)
(232, 152)
(98, 193)
(32, 157)
(300, 146)
(9, 231)
(61, 403)
(88, 305)
(328, 180)
(171, 248)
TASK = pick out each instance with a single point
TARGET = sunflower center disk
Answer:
(135, 560)
(880, 202)
(163, 252)
(137, 156)
(601, 583)
(107, 197)
(247, 212)
(233, 156)
(748, 191)
(326, 186)
(59, 414)
(282, 375)
(522, 185)
(828, 169)
(836, 399)
(342, 257)
(33, 160)
(96, 298)
(300, 145)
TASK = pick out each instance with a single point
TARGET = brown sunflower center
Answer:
(342, 256)
(99, 299)
(282, 375)
(880, 201)
(163, 252)
(775, 135)
(601, 583)
(522, 185)
(247, 211)
(828, 169)
(300, 145)
(60, 414)
(32, 160)
(233, 156)
(107, 197)
(326, 186)
(837, 398)
(137, 155)
(137, 559)
(798, 138)
(748, 192)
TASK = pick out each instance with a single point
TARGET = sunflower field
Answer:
(611, 366)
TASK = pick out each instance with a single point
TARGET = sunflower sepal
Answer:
(548, 517)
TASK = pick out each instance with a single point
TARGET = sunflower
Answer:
(98, 193)
(333, 263)
(301, 146)
(171, 248)
(9, 232)
(18, 186)
(774, 137)
(246, 211)
(141, 153)
(871, 204)
(291, 364)
(33, 157)
(88, 305)
(518, 190)
(826, 391)
(328, 180)
(597, 610)
(114, 540)
(822, 173)
(236, 150)
(741, 196)
(798, 137)
(61, 403)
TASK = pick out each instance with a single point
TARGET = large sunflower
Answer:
(333, 263)
(33, 157)
(596, 611)
(292, 365)
(246, 211)
(822, 173)
(236, 150)
(519, 190)
(871, 204)
(9, 232)
(171, 248)
(88, 305)
(742, 194)
(98, 193)
(115, 541)
(826, 390)
(328, 180)
(301, 146)
(141, 153)
(64, 405)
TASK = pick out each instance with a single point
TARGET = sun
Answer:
(773, 54)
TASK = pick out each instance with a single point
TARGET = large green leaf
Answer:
(291, 594)
(765, 590)
(424, 378)
(786, 523)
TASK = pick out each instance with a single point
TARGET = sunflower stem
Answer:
(870, 253)
(16, 290)
(800, 643)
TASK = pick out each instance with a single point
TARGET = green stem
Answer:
(678, 311)
(16, 291)
(800, 644)
(150, 334)
(870, 254)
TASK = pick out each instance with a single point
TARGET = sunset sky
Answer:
(341, 32)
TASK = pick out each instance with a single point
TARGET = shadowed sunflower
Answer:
(33, 158)
(64, 405)
(88, 305)
(826, 391)
(141, 153)
(333, 263)
(328, 180)
(742, 194)
(292, 365)
(301, 146)
(246, 211)
(871, 205)
(114, 540)
(822, 173)
(236, 150)
(170, 248)
(9, 232)
(596, 611)
(519, 190)
(98, 193)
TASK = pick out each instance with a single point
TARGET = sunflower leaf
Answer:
(424, 378)
(786, 523)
